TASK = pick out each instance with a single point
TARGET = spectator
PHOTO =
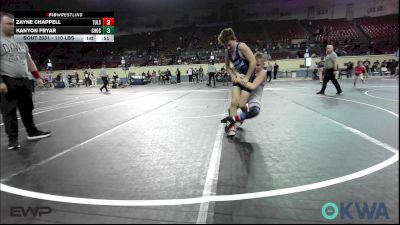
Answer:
(225, 76)
(384, 64)
(367, 65)
(201, 74)
(115, 77)
(65, 79)
(148, 77)
(315, 71)
(153, 77)
(350, 68)
(321, 69)
(389, 63)
(178, 76)
(114, 80)
(276, 69)
(211, 73)
(77, 78)
(393, 66)
(196, 75)
(374, 68)
(168, 76)
(69, 80)
(48, 79)
(87, 78)
(190, 74)
(94, 79)
(269, 71)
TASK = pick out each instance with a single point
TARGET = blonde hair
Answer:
(226, 35)
(259, 55)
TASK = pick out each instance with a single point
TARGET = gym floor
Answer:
(159, 154)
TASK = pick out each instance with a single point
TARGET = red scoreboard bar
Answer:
(108, 21)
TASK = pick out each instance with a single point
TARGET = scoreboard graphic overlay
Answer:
(64, 26)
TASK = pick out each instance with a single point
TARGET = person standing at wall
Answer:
(269, 71)
(276, 69)
(350, 69)
(211, 71)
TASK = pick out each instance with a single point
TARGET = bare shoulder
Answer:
(243, 46)
(262, 74)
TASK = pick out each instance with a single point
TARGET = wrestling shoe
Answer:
(232, 131)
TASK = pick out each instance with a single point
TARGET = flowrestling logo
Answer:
(352, 210)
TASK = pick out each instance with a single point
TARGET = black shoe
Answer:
(229, 121)
(320, 93)
(38, 135)
(13, 145)
(339, 92)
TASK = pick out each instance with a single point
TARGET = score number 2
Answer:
(108, 21)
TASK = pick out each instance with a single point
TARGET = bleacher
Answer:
(207, 37)
(284, 31)
(380, 29)
(250, 33)
(339, 30)
(194, 44)
(383, 32)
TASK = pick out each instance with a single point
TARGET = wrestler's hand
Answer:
(39, 82)
(235, 79)
(230, 72)
(241, 76)
(3, 88)
(243, 81)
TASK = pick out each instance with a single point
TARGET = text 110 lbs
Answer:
(64, 38)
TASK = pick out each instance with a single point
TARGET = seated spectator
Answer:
(374, 69)
(167, 76)
(384, 64)
(115, 77)
(69, 79)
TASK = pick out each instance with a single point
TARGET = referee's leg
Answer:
(336, 83)
(9, 109)
(25, 107)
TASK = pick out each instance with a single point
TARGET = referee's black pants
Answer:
(269, 76)
(105, 83)
(211, 76)
(19, 96)
(87, 82)
(330, 76)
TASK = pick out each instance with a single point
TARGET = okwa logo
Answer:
(363, 210)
